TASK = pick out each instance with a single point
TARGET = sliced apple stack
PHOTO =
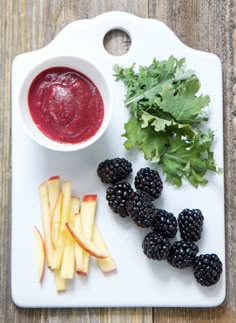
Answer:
(70, 233)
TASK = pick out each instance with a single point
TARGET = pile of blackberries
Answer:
(138, 204)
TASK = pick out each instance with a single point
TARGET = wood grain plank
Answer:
(5, 54)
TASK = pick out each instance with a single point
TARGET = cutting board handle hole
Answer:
(117, 42)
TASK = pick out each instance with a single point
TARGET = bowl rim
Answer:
(54, 61)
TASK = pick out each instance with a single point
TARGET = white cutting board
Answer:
(138, 280)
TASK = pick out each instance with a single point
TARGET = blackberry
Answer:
(190, 224)
(149, 181)
(117, 197)
(165, 223)
(182, 254)
(155, 246)
(141, 209)
(114, 170)
(207, 269)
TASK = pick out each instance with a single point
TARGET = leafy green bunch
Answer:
(166, 117)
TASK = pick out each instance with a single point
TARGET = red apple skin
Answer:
(52, 178)
(75, 197)
(43, 183)
(81, 273)
(83, 245)
(90, 198)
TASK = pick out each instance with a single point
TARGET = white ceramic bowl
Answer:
(86, 68)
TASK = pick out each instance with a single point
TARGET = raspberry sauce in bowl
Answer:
(65, 103)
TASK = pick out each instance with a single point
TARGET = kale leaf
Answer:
(166, 117)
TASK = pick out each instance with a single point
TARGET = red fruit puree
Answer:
(65, 105)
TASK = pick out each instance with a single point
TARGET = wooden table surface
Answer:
(207, 25)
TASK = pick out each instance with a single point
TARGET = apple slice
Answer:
(56, 220)
(65, 216)
(87, 213)
(53, 191)
(68, 259)
(66, 204)
(55, 206)
(78, 250)
(46, 221)
(108, 264)
(55, 230)
(40, 253)
(60, 282)
(87, 245)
